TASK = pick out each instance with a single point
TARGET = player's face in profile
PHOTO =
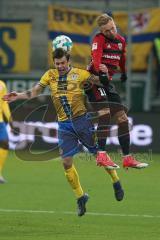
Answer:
(62, 65)
(109, 30)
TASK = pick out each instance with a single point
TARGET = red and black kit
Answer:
(112, 53)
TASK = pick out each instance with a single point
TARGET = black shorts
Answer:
(103, 97)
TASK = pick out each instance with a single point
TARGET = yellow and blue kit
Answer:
(68, 98)
(66, 92)
(4, 112)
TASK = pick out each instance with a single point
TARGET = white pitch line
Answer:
(74, 213)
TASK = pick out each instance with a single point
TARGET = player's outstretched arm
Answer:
(9, 97)
(33, 92)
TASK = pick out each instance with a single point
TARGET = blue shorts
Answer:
(3, 132)
(70, 132)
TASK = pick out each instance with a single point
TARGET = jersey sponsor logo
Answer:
(108, 46)
(74, 76)
(111, 56)
(94, 46)
(120, 46)
(53, 78)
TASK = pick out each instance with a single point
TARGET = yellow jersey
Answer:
(4, 107)
(66, 92)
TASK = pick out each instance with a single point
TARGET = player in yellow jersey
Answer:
(5, 115)
(66, 84)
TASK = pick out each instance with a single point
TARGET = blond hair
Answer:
(103, 19)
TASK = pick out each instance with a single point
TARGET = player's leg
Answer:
(117, 187)
(98, 100)
(72, 176)
(124, 140)
(123, 131)
(102, 133)
(118, 112)
(103, 128)
(3, 149)
(3, 157)
(87, 137)
(68, 143)
(103, 119)
(73, 179)
(103, 159)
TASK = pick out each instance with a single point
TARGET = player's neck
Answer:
(67, 71)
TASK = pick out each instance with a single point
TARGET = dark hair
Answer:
(59, 53)
(109, 13)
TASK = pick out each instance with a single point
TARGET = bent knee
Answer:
(121, 117)
(67, 162)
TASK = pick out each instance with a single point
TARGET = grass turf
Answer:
(37, 202)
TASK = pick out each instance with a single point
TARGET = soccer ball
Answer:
(62, 41)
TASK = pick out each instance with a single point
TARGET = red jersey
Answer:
(111, 52)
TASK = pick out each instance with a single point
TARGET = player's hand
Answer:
(123, 77)
(103, 74)
(10, 97)
(103, 68)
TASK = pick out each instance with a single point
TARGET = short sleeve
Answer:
(85, 75)
(44, 81)
(3, 88)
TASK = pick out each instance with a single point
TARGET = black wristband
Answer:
(103, 77)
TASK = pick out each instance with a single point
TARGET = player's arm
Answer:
(98, 80)
(33, 92)
(122, 64)
(97, 51)
(93, 79)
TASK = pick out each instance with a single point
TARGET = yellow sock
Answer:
(3, 156)
(73, 179)
(113, 175)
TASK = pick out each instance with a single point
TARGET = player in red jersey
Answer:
(108, 58)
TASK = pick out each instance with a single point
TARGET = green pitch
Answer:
(38, 204)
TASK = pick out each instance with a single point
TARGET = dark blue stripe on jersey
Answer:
(66, 106)
(62, 83)
(80, 38)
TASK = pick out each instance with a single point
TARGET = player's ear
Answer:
(69, 62)
(68, 56)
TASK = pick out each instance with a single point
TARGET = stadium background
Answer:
(25, 54)
(36, 202)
